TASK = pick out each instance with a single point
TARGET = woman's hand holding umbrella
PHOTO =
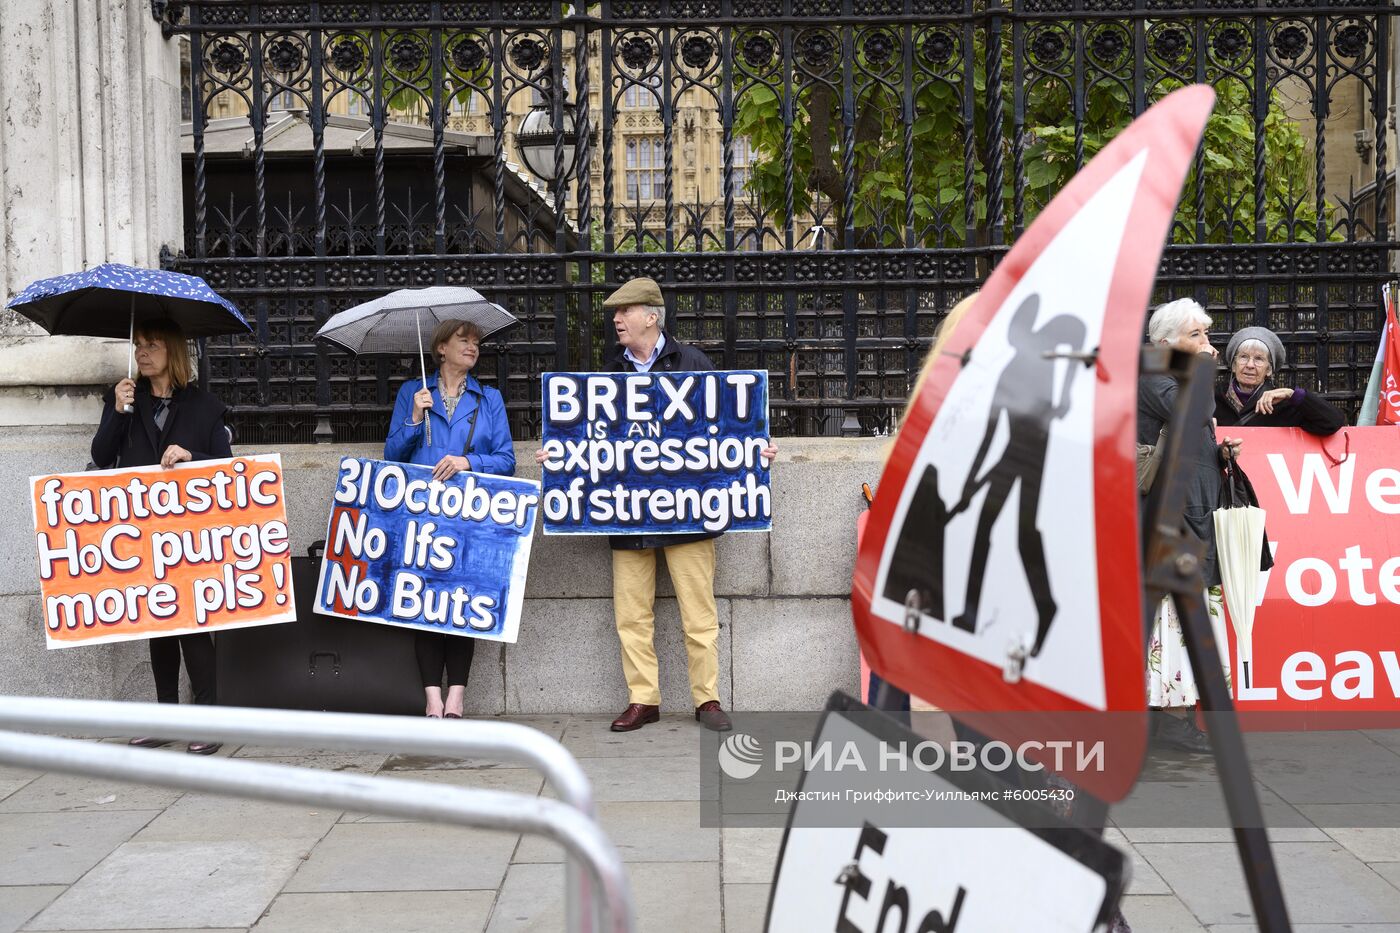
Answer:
(422, 403)
(125, 393)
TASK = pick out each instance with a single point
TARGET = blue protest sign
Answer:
(649, 453)
(450, 557)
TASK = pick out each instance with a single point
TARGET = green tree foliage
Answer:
(1049, 158)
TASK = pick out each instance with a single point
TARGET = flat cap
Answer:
(639, 291)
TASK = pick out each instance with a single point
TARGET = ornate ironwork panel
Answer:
(815, 182)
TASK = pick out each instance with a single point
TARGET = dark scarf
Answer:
(1241, 401)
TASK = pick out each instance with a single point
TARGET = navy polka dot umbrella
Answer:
(111, 299)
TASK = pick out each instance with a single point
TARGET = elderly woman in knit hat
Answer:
(1251, 399)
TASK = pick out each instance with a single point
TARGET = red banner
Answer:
(1326, 635)
(1388, 410)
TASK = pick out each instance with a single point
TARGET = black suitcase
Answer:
(319, 662)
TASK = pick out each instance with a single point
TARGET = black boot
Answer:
(1180, 733)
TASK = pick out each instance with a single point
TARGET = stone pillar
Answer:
(89, 173)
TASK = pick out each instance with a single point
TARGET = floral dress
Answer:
(1170, 682)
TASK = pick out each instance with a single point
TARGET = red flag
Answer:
(1388, 411)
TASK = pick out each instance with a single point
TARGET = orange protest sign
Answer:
(137, 553)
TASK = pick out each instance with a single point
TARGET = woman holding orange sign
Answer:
(161, 418)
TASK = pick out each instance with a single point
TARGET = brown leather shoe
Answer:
(713, 717)
(635, 716)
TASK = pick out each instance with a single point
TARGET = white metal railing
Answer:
(592, 864)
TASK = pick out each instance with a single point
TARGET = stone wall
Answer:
(786, 639)
(89, 173)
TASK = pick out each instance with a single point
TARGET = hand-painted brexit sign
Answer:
(1015, 467)
(143, 552)
(645, 453)
(404, 549)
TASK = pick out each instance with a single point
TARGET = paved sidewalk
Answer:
(79, 854)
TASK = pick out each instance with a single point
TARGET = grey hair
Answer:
(1253, 343)
(1170, 319)
(659, 311)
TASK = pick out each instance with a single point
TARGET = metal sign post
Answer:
(1172, 567)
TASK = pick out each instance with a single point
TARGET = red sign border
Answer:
(1169, 132)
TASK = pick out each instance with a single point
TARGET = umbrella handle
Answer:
(423, 369)
(131, 351)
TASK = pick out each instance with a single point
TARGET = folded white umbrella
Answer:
(1239, 544)
(393, 324)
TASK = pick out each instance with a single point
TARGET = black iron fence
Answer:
(815, 182)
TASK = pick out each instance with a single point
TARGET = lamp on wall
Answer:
(537, 136)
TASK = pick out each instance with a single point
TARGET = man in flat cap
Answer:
(639, 318)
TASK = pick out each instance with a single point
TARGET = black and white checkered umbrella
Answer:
(393, 324)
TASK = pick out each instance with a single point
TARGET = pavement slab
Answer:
(514, 780)
(745, 907)
(637, 779)
(58, 848)
(643, 831)
(88, 854)
(9, 786)
(379, 911)
(358, 762)
(667, 896)
(1371, 832)
(673, 737)
(1143, 878)
(1325, 767)
(197, 817)
(175, 884)
(71, 793)
(1157, 913)
(1390, 871)
(1322, 882)
(1194, 811)
(750, 854)
(19, 903)
(405, 857)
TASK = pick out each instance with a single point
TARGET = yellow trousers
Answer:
(692, 568)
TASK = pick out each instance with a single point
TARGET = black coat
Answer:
(1313, 413)
(195, 422)
(676, 357)
(1156, 401)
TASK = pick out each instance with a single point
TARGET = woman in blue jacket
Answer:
(470, 432)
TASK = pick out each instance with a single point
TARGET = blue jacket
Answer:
(491, 450)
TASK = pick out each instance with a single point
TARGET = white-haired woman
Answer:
(1171, 687)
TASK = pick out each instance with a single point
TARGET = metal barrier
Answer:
(500, 741)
